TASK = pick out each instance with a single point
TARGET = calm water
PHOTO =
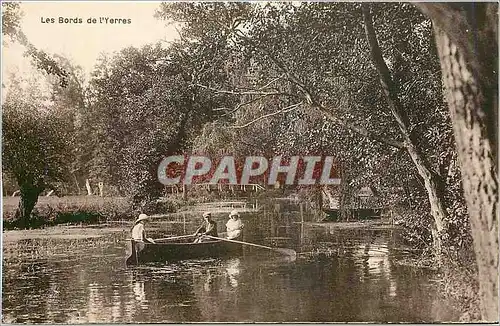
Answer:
(339, 275)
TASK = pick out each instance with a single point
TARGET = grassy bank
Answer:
(70, 209)
(53, 210)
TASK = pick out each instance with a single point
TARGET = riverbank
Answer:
(50, 211)
(66, 232)
(374, 224)
(53, 210)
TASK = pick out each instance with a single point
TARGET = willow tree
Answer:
(34, 136)
(35, 149)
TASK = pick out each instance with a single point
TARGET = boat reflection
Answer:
(208, 281)
(140, 294)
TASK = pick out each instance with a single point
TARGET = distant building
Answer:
(364, 204)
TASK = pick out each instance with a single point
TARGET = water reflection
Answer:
(94, 305)
(233, 271)
(140, 294)
(340, 275)
(208, 281)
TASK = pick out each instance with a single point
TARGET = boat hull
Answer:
(140, 252)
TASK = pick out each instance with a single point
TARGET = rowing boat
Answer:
(140, 252)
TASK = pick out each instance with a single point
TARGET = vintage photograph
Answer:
(249, 162)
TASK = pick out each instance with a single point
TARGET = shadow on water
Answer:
(339, 275)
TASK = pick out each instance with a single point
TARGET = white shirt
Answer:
(234, 228)
(137, 231)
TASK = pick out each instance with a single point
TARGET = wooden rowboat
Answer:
(140, 252)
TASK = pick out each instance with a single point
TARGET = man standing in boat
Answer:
(208, 227)
(138, 233)
(234, 225)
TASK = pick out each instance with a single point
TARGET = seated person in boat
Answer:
(138, 233)
(234, 225)
(208, 227)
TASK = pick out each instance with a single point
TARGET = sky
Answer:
(83, 42)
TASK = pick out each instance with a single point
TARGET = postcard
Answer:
(249, 162)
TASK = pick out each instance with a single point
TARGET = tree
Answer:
(70, 103)
(431, 179)
(34, 143)
(315, 56)
(467, 41)
(144, 107)
(34, 148)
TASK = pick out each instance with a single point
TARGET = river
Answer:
(77, 275)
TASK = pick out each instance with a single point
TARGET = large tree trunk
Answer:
(29, 197)
(466, 38)
(431, 180)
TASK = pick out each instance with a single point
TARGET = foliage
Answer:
(315, 55)
(11, 15)
(144, 107)
(34, 147)
(267, 79)
(35, 141)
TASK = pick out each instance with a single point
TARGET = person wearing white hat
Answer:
(138, 233)
(234, 225)
(208, 227)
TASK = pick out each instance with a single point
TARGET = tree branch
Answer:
(326, 111)
(269, 83)
(358, 130)
(239, 106)
(284, 110)
(310, 98)
(253, 92)
(291, 77)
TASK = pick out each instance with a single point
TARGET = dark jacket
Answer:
(208, 228)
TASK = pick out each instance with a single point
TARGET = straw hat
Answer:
(141, 217)
(206, 214)
(234, 213)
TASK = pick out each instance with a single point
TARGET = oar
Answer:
(177, 237)
(285, 251)
(170, 238)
